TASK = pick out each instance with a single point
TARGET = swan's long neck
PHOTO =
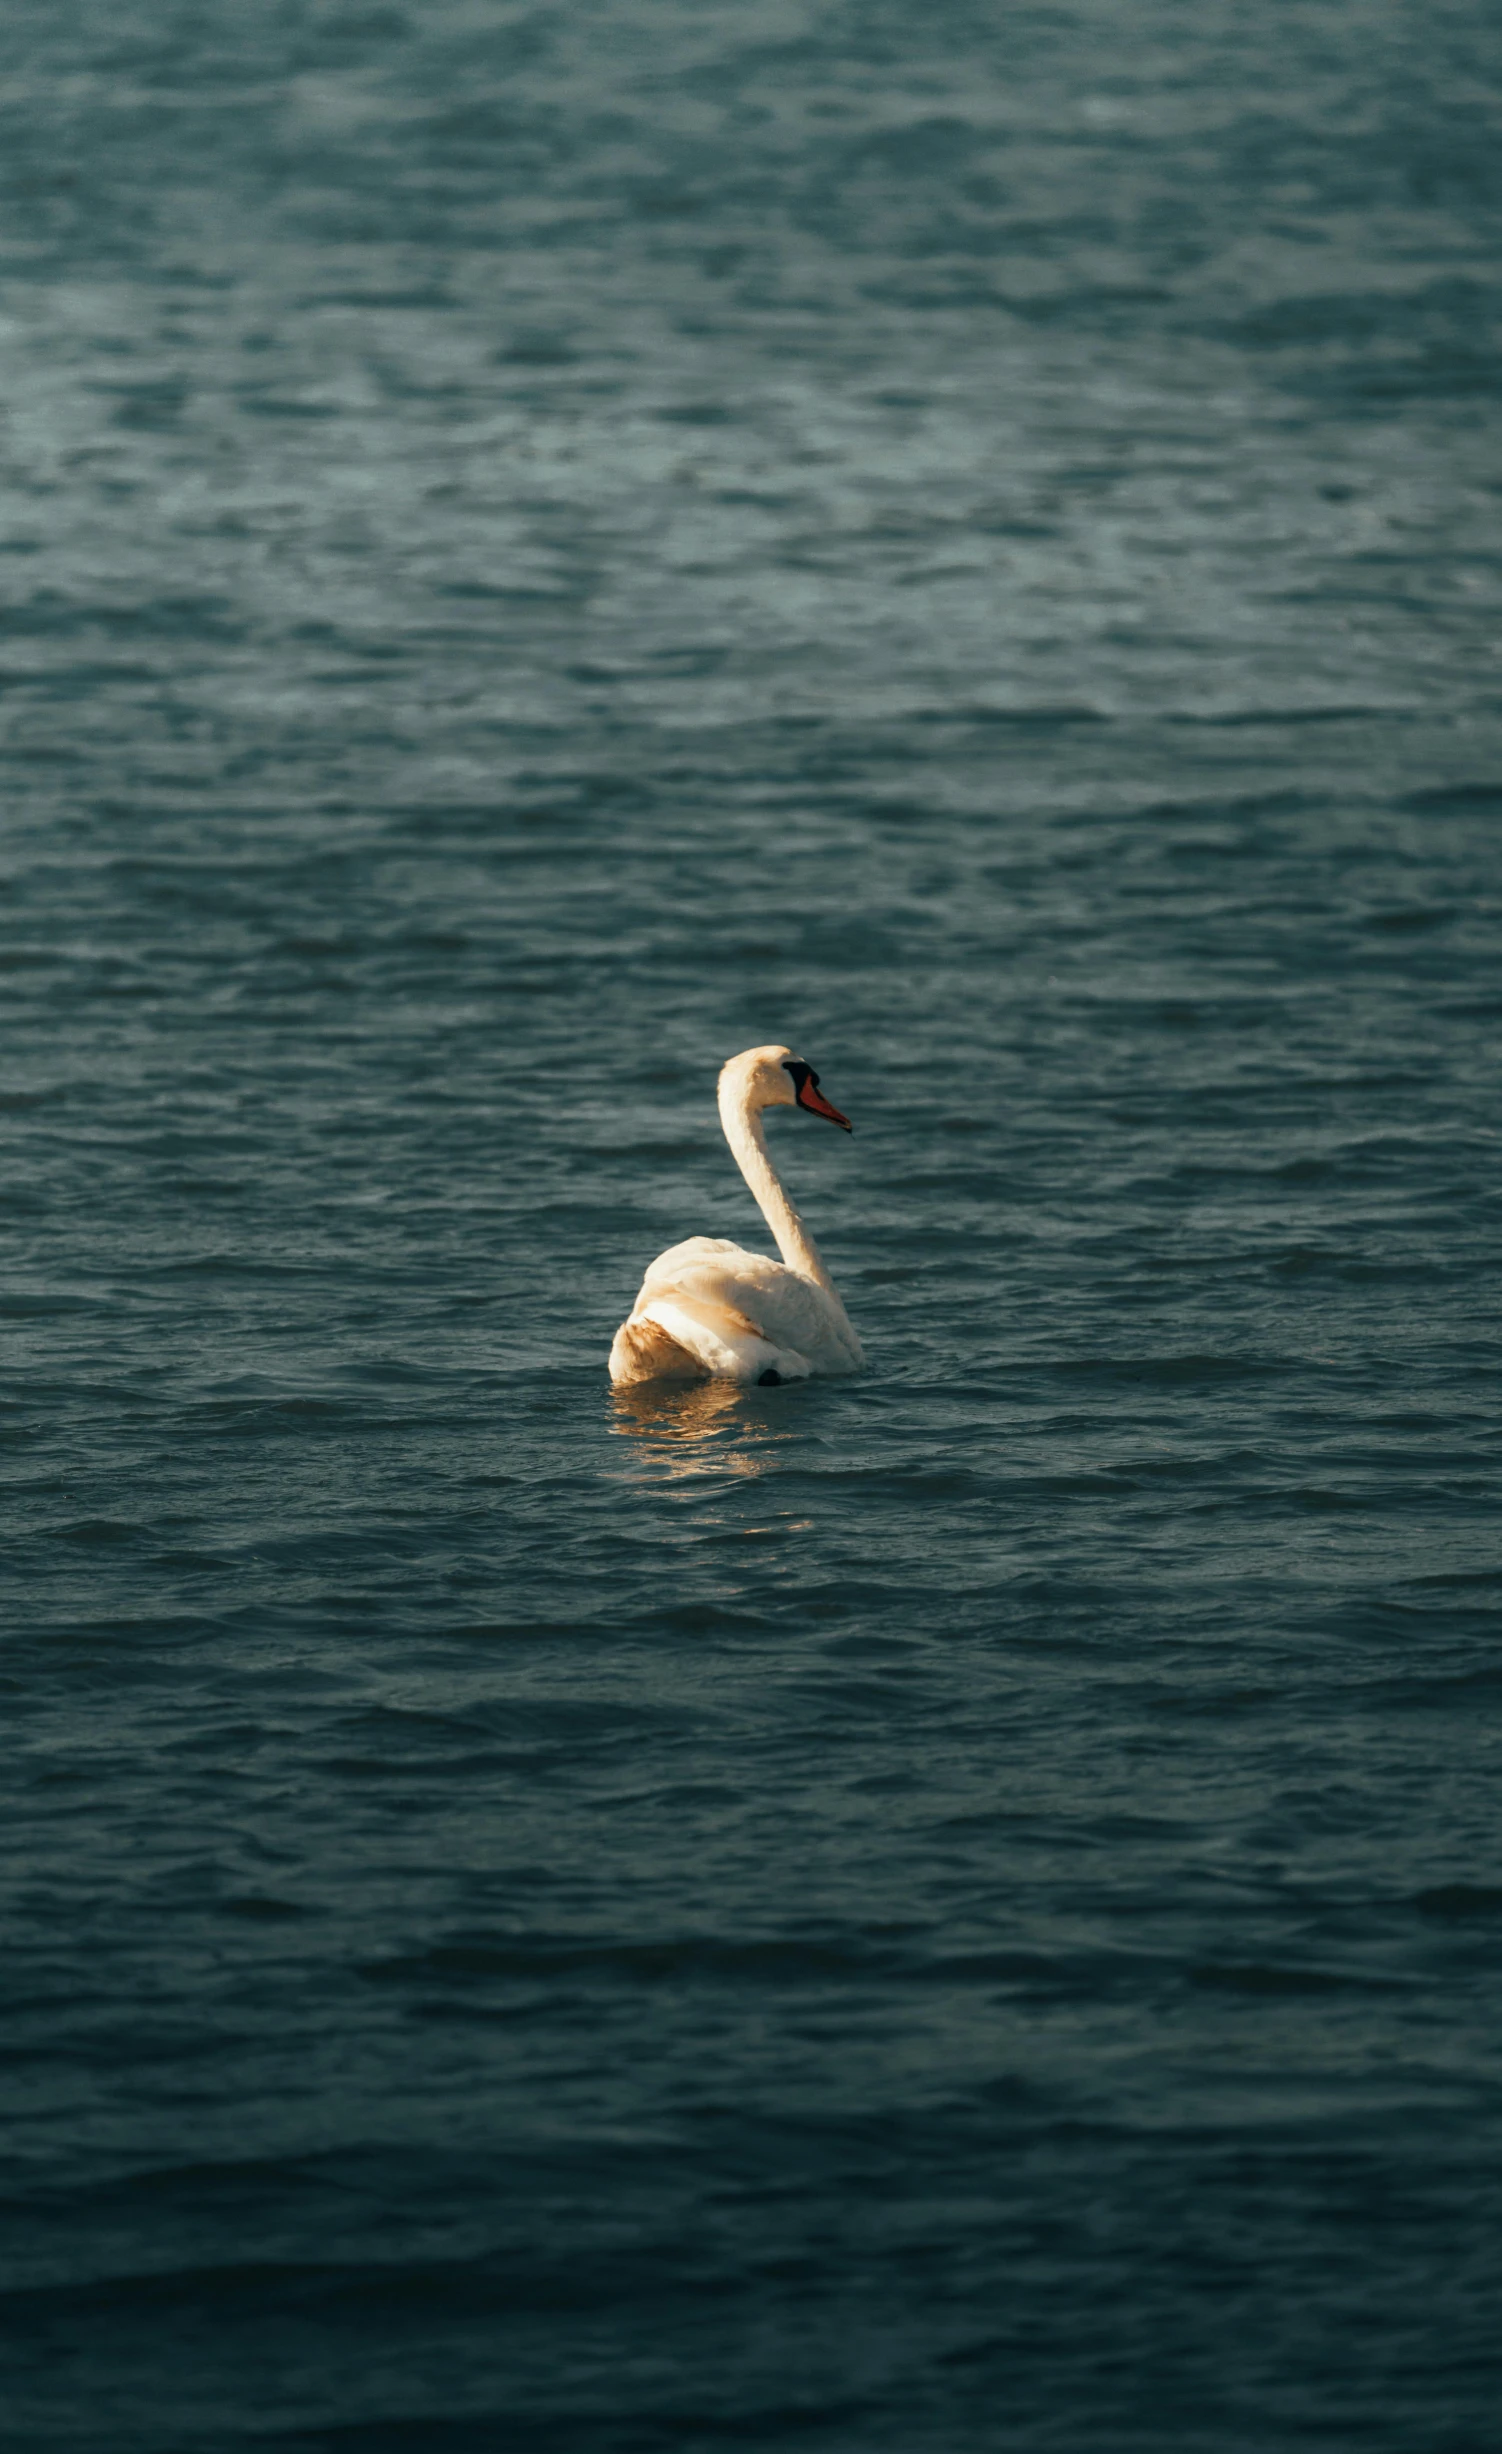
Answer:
(743, 1131)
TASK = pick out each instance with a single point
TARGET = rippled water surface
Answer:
(952, 1911)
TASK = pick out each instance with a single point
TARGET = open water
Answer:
(951, 1912)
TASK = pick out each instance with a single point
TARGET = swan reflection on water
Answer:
(699, 1427)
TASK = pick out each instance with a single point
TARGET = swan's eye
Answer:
(801, 1073)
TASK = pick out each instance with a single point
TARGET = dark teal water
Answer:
(953, 1912)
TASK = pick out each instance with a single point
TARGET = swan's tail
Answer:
(645, 1351)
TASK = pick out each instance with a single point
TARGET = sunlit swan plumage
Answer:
(708, 1310)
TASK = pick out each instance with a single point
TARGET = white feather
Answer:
(733, 1314)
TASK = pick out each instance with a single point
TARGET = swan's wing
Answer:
(720, 1337)
(712, 1297)
(696, 1252)
(790, 1312)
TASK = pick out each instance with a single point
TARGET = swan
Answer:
(709, 1311)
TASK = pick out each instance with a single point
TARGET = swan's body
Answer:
(709, 1311)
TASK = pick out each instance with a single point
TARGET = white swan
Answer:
(706, 1309)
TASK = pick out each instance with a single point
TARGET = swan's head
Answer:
(774, 1078)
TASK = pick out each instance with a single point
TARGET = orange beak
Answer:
(810, 1096)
